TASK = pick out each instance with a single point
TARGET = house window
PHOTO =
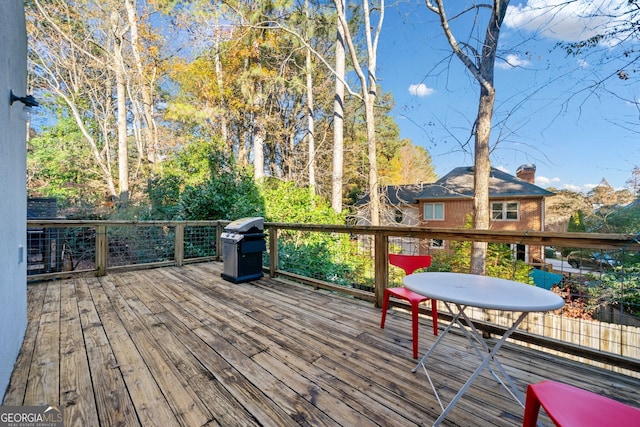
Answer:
(504, 211)
(399, 217)
(437, 243)
(433, 211)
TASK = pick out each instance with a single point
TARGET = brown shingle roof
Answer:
(459, 183)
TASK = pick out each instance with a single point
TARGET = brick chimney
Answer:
(527, 173)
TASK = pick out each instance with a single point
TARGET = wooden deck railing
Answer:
(60, 248)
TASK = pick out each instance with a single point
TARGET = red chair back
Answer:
(410, 263)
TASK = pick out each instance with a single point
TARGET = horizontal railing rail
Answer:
(351, 260)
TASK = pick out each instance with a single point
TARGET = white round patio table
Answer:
(458, 291)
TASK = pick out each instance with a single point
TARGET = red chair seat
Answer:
(405, 293)
(571, 406)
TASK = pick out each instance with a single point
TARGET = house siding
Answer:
(456, 215)
(13, 193)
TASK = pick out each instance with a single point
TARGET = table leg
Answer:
(474, 336)
(440, 338)
(485, 361)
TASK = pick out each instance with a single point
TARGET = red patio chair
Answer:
(571, 406)
(410, 263)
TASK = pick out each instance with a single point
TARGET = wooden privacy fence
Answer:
(97, 247)
(582, 336)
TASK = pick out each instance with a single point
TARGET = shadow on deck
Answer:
(180, 346)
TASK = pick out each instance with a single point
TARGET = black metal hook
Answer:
(28, 101)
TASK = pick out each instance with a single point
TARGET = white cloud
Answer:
(565, 20)
(584, 189)
(582, 63)
(543, 181)
(420, 90)
(512, 61)
(574, 188)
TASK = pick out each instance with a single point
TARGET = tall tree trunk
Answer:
(258, 135)
(289, 159)
(374, 189)
(310, 118)
(482, 172)
(244, 141)
(144, 85)
(258, 149)
(368, 85)
(483, 70)
(482, 161)
(121, 100)
(105, 166)
(370, 99)
(224, 131)
(338, 118)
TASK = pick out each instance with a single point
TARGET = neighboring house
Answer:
(516, 204)
(399, 205)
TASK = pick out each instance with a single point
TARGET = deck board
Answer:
(181, 346)
(44, 376)
(76, 390)
(112, 400)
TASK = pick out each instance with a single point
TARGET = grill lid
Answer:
(246, 225)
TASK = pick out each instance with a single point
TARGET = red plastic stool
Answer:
(415, 300)
(410, 263)
(570, 406)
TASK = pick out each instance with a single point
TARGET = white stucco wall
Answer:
(13, 195)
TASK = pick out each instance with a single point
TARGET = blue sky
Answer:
(547, 112)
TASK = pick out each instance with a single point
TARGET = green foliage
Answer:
(58, 164)
(164, 197)
(500, 261)
(203, 182)
(324, 256)
(227, 196)
(576, 223)
(625, 220)
(619, 287)
(229, 192)
(442, 261)
(321, 256)
(286, 202)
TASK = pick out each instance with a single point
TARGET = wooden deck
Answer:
(180, 346)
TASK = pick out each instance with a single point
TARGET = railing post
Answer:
(219, 229)
(46, 255)
(178, 249)
(102, 250)
(273, 251)
(381, 253)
